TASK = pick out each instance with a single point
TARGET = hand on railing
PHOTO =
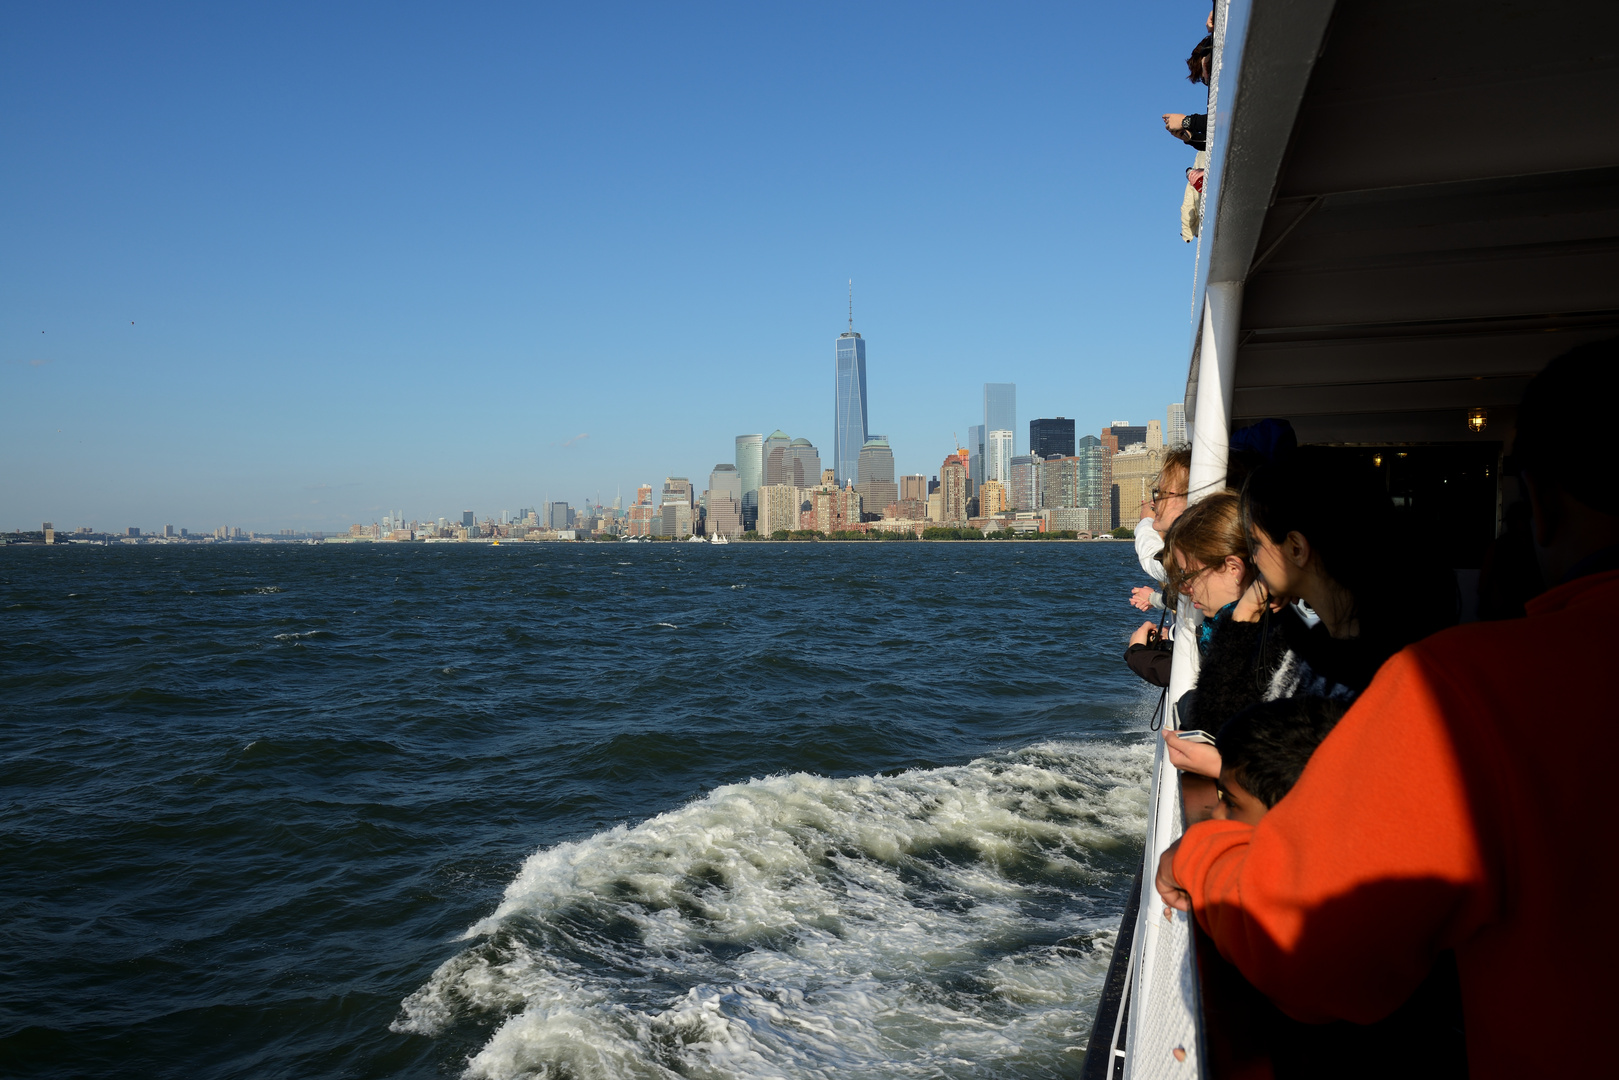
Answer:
(1168, 887)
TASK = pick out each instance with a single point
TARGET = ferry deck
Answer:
(1409, 209)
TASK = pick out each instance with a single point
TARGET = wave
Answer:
(304, 635)
(950, 921)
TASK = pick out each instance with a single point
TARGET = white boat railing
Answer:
(1253, 100)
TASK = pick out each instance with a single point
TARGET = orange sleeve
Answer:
(1337, 902)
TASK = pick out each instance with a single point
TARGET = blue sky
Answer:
(297, 266)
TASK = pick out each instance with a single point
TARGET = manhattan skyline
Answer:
(491, 258)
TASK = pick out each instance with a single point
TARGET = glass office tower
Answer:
(750, 467)
(1000, 408)
(851, 408)
(1051, 438)
(1095, 477)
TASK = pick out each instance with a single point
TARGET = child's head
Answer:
(1264, 749)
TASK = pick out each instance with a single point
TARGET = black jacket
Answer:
(1237, 671)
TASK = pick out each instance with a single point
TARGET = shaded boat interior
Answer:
(1444, 220)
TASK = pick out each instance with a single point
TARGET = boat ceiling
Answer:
(1444, 220)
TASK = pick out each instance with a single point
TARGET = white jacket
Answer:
(1148, 545)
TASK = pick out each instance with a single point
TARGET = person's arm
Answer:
(1200, 759)
(1337, 902)
(1195, 130)
(1148, 544)
(1151, 662)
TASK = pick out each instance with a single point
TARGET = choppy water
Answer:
(563, 810)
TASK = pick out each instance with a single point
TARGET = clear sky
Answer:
(296, 266)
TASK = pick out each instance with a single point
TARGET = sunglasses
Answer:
(1159, 496)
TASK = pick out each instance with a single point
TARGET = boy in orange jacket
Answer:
(1455, 806)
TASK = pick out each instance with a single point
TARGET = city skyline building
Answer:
(991, 498)
(1059, 483)
(806, 463)
(1024, 491)
(913, 486)
(831, 508)
(1000, 409)
(953, 488)
(1054, 437)
(1155, 435)
(723, 502)
(975, 458)
(850, 429)
(778, 508)
(1134, 473)
(750, 467)
(777, 463)
(1121, 435)
(1095, 481)
(674, 516)
(876, 466)
(998, 457)
(1175, 429)
(791, 461)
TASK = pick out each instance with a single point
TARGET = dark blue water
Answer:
(755, 810)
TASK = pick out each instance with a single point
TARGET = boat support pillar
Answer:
(1217, 368)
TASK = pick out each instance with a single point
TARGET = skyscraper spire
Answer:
(851, 305)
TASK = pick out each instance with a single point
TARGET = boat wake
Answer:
(940, 922)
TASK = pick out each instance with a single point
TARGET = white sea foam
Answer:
(935, 923)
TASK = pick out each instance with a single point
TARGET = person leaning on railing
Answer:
(1157, 515)
(1192, 129)
(1149, 653)
(1453, 807)
(1206, 557)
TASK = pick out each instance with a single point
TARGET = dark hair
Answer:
(1267, 745)
(1551, 436)
(1400, 589)
(1194, 63)
(1334, 501)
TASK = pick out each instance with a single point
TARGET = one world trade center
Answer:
(851, 414)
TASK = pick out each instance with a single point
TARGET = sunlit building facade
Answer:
(1024, 491)
(750, 468)
(998, 457)
(724, 502)
(953, 489)
(1175, 429)
(778, 508)
(992, 498)
(849, 434)
(876, 486)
